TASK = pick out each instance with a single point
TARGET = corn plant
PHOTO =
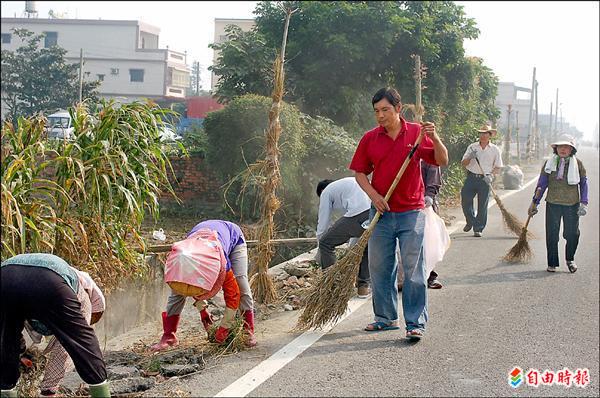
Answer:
(97, 190)
(29, 220)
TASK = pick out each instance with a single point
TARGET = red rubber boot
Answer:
(168, 338)
(249, 328)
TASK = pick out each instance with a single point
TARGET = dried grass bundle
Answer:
(31, 377)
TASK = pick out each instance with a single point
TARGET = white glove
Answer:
(428, 201)
(488, 179)
(471, 153)
(582, 210)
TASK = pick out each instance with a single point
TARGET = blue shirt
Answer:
(49, 261)
(229, 234)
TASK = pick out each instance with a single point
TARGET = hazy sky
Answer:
(559, 38)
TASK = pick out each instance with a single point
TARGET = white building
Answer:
(220, 37)
(123, 55)
(519, 99)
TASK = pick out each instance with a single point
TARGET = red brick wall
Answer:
(193, 183)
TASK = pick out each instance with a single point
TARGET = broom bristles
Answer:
(511, 222)
(520, 252)
(327, 300)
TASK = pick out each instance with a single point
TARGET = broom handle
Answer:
(397, 179)
(483, 172)
(537, 192)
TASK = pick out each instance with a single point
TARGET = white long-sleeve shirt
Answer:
(343, 195)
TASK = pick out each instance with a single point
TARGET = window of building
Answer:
(6, 38)
(222, 38)
(100, 76)
(51, 39)
(136, 75)
(114, 71)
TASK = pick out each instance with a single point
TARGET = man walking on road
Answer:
(382, 151)
(482, 160)
(347, 196)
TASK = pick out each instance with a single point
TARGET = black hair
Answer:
(573, 150)
(321, 186)
(389, 93)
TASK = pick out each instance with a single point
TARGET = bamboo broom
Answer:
(511, 222)
(521, 252)
(327, 300)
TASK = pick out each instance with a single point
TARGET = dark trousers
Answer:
(338, 234)
(475, 186)
(39, 293)
(554, 213)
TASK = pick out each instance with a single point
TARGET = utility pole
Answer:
(537, 126)
(530, 123)
(550, 135)
(80, 74)
(518, 141)
(556, 117)
(561, 120)
(507, 137)
(197, 72)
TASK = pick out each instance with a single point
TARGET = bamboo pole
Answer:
(250, 243)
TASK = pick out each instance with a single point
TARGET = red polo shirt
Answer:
(379, 154)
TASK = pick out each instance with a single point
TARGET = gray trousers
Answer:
(339, 233)
(239, 265)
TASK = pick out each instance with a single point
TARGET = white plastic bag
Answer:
(436, 239)
(159, 235)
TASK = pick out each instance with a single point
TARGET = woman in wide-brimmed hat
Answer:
(565, 178)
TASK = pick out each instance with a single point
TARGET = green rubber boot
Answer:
(12, 393)
(101, 390)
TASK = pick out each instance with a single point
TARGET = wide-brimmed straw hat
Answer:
(564, 139)
(486, 128)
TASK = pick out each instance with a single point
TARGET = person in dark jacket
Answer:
(43, 289)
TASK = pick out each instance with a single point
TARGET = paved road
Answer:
(488, 318)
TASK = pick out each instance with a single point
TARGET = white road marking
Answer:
(264, 370)
(267, 368)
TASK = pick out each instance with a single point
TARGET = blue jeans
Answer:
(475, 186)
(406, 228)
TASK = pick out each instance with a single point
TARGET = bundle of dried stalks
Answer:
(261, 284)
(235, 342)
(31, 377)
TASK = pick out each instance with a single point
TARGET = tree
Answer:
(195, 81)
(37, 79)
(244, 65)
(340, 53)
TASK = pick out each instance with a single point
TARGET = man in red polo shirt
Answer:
(382, 151)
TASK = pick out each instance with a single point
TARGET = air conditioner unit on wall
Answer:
(114, 71)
